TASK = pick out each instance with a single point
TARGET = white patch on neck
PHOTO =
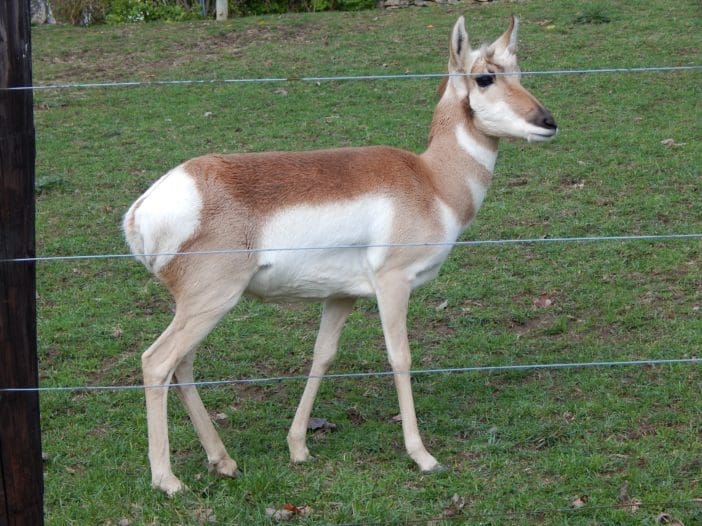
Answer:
(484, 156)
(478, 191)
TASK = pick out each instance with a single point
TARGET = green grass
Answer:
(519, 445)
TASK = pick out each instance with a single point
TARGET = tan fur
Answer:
(264, 182)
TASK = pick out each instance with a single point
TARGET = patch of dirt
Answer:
(105, 373)
(532, 325)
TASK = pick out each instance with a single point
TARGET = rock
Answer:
(41, 12)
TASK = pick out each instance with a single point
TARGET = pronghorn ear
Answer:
(507, 43)
(460, 47)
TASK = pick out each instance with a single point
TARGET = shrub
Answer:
(80, 12)
(86, 12)
(122, 11)
(262, 7)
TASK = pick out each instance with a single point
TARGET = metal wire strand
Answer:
(407, 76)
(479, 242)
(260, 380)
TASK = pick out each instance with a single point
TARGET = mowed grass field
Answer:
(578, 446)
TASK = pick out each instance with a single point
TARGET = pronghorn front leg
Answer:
(333, 317)
(393, 299)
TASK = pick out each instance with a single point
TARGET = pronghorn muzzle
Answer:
(543, 119)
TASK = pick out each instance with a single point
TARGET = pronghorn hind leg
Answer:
(218, 460)
(172, 354)
(334, 315)
(393, 299)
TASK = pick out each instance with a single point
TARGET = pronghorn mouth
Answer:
(542, 137)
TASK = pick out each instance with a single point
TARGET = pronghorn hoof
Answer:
(224, 468)
(437, 468)
(304, 459)
(170, 486)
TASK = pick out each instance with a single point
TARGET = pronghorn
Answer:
(369, 197)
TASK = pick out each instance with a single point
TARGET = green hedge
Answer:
(86, 12)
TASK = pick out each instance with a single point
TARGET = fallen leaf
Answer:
(542, 301)
(288, 512)
(625, 501)
(355, 416)
(279, 515)
(579, 502)
(205, 516)
(522, 181)
(302, 511)
(221, 418)
(623, 492)
(455, 507)
(441, 306)
(670, 143)
(316, 424)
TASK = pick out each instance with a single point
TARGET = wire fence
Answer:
(488, 242)
(465, 515)
(340, 78)
(272, 379)
(478, 242)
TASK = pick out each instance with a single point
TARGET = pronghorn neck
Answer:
(461, 157)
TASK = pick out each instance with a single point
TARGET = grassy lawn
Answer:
(521, 447)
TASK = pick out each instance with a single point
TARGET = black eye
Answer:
(485, 80)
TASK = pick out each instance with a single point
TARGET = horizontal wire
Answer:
(375, 374)
(478, 242)
(406, 76)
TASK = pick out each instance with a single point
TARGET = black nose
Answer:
(548, 121)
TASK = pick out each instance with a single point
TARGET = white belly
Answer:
(316, 273)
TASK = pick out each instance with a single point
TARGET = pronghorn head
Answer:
(497, 103)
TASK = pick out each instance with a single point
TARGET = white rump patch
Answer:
(483, 155)
(165, 217)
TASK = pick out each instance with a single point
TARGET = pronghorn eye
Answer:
(485, 80)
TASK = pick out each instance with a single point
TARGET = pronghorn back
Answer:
(329, 225)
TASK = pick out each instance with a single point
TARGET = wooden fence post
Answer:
(222, 8)
(21, 470)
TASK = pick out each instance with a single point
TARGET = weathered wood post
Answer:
(222, 7)
(21, 473)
